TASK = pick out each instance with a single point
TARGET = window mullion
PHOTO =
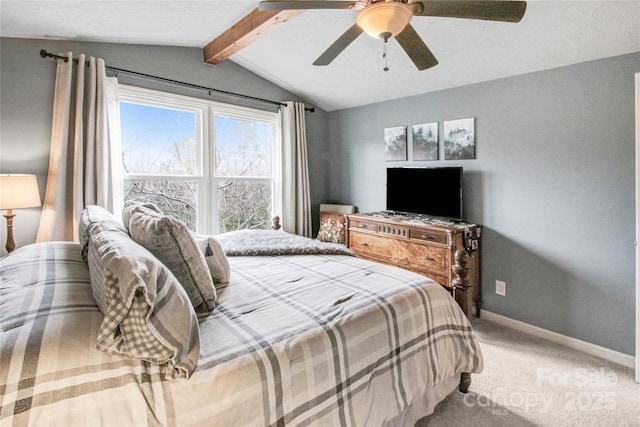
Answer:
(211, 225)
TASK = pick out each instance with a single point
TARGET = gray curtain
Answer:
(296, 201)
(84, 166)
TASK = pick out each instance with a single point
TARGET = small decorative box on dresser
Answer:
(446, 251)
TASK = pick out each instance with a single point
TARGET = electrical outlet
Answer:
(501, 287)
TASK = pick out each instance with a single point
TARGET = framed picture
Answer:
(425, 141)
(459, 139)
(395, 143)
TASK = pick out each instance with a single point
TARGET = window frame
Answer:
(206, 111)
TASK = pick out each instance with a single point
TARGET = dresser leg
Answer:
(465, 382)
(461, 285)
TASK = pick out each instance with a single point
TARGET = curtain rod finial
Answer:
(45, 54)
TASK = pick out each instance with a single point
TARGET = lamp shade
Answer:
(384, 19)
(19, 191)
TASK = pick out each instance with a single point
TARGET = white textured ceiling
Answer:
(551, 34)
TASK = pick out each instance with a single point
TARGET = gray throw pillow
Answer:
(92, 214)
(172, 243)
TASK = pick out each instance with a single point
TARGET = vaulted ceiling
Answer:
(551, 34)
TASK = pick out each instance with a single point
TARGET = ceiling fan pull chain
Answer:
(384, 54)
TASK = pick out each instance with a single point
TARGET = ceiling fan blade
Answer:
(339, 45)
(488, 10)
(308, 4)
(417, 50)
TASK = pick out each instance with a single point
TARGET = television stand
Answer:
(444, 250)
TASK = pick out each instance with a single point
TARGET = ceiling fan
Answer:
(390, 18)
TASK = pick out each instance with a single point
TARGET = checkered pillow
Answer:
(147, 314)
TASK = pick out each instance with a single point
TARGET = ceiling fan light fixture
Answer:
(384, 19)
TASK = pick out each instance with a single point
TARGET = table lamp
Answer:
(17, 191)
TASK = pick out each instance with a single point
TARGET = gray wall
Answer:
(27, 86)
(552, 184)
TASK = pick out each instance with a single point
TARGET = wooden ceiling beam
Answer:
(244, 32)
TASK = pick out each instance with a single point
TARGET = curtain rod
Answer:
(45, 54)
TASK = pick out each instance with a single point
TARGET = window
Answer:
(214, 166)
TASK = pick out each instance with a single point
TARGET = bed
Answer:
(297, 336)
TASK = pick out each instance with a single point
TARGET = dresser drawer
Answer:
(413, 256)
(356, 224)
(431, 236)
(392, 230)
(430, 258)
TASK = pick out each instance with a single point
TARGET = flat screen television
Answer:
(434, 191)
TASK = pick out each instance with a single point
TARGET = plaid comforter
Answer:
(294, 340)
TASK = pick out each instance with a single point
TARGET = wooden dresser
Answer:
(446, 251)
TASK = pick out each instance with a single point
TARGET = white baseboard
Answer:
(576, 344)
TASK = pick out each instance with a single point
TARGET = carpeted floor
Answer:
(528, 381)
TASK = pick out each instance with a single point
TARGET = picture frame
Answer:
(425, 141)
(395, 143)
(459, 139)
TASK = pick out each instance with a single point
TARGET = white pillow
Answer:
(215, 258)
